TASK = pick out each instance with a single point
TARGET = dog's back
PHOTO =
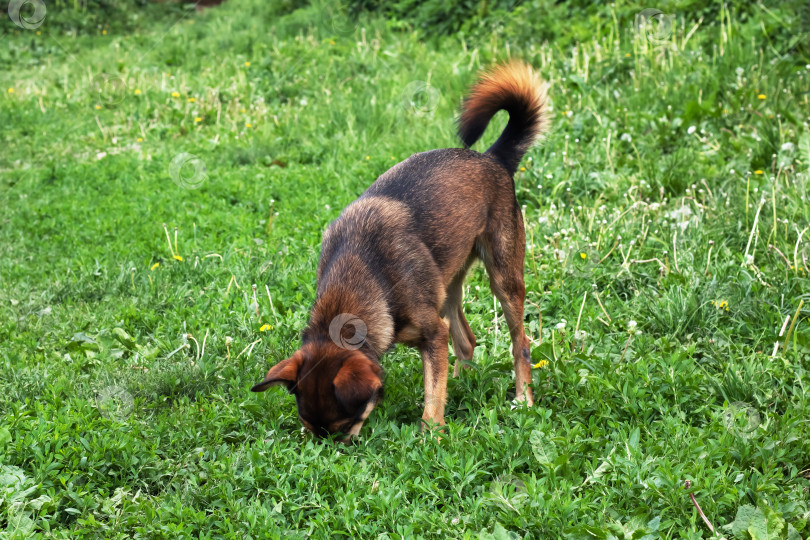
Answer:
(441, 201)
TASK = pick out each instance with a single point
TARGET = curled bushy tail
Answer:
(515, 88)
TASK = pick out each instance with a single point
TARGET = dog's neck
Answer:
(352, 318)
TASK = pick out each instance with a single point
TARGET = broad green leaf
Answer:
(758, 527)
(634, 437)
(775, 522)
(20, 525)
(11, 478)
(123, 338)
(543, 447)
(5, 439)
(793, 534)
(498, 533)
(742, 520)
(37, 503)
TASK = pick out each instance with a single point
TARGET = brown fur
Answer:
(393, 264)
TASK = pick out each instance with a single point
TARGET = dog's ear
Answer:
(357, 381)
(285, 372)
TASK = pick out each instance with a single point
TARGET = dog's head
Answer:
(335, 389)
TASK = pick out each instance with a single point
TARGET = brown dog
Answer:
(393, 264)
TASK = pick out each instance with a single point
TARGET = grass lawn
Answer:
(165, 178)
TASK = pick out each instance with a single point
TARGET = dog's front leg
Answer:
(434, 365)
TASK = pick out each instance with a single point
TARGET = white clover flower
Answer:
(691, 130)
(561, 325)
(631, 325)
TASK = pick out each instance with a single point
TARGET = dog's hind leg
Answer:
(503, 250)
(460, 331)
(463, 341)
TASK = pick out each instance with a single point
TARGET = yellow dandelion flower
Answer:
(154, 266)
(242, 110)
(332, 42)
(10, 90)
(137, 91)
(368, 157)
(248, 125)
(178, 258)
(198, 119)
(39, 33)
(523, 168)
(98, 107)
(175, 94)
(192, 100)
(247, 64)
(103, 32)
(265, 328)
(583, 255)
(757, 171)
(627, 55)
(761, 96)
(140, 139)
(541, 364)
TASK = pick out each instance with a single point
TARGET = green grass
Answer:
(664, 216)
